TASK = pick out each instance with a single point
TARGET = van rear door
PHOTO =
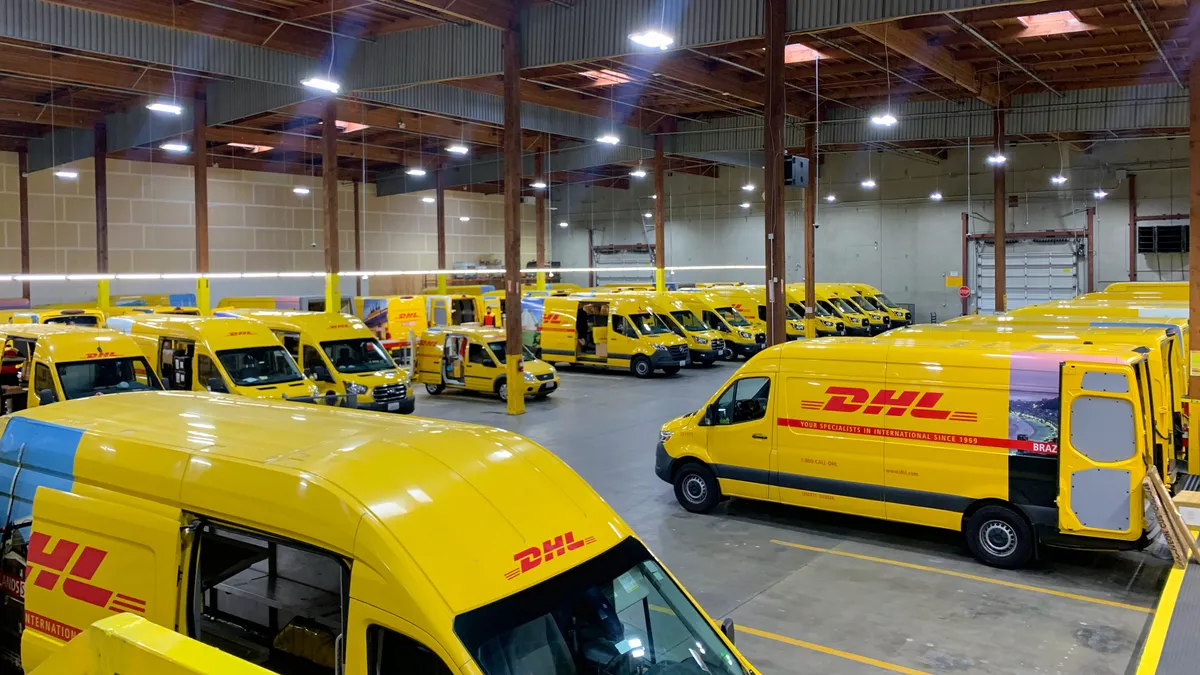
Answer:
(1101, 459)
(91, 556)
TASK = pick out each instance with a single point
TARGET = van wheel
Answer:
(641, 366)
(1000, 537)
(696, 488)
(671, 370)
(502, 389)
(435, 389)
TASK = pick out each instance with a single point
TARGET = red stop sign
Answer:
(964, 292)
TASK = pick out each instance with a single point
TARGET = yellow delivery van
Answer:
(398, 319)
(751, 301)
(340, 355)
(56, 362)
(219, 354)
(872, 298)
(472, 358)
(610, 330)
(74, 317)
(1166, 290)
(853, 320)
(877, 321)
(705, 345)
(328, 541)
(828, 323)
(743, 336)
(1015, 446)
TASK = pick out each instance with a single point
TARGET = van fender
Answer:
(666, 463)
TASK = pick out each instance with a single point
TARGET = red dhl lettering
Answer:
(550, 549)
(238, 333)
(46, 565)
(1030, 447)
(889, 402)
(552, 318)
(55, 629)
(400, 316)
(339, 325)
(102, 355)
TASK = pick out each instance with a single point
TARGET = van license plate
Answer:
(394, 406)
(550, 387)
(682, 364)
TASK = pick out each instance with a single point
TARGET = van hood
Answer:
(670, 340)
(279, 391)
(378, 377)
(538, 367)
(679, 422)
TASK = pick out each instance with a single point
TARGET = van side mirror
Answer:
(217, 385)
(321, 374)
(46, 397)
(710, 416)
(729, 630)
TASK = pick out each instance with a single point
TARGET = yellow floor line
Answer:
(963, 575)
(1152, 649)
(831, 651)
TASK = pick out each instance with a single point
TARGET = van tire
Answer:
(671, 370)
(696, 488)
(641, 366)
(502, 389)
(1000, 537)
(435, 389)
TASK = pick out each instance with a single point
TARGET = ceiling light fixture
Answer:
(638, 173)
(647, 215)
(416, 171)
(322, 84)
(428, 200)
(1058, 179)
(935, 196)
(464, 218)
(830, 198)
(174, 146)
(653, 196)
(652, 39)
(887, 119)
(254, 149)
(1099, 193)
(563, 224)
(748, 187)
(868, 183)
(996, 159)
(538, 185)
(745, 205)
(608, 139)
(68, 174)
(301, 190)
(170, 108)
(457, 149)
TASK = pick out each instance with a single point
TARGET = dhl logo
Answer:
(49, 564)
(550, 317)
(239, 333)
(890, 402)
(101, 354)
(339, 325)
(551, 549)
(400, 316)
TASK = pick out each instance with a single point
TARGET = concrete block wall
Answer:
(256, 223)
(894, 236)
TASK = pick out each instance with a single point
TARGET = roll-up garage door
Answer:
(1038, 270)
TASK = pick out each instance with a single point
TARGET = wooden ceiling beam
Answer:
(282, 141)
(494, 13)
(66, 68)
(1053, 47)
(1121, 19)
(224, 161)
(35, 113)
(318, 9)
(912, 45)
(533, 92)
(1003, 12)
(722, 81)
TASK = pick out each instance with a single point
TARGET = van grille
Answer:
(390, 392)
(678, 352)
(718, 345)
(546, 376)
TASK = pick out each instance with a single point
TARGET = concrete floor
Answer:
(813, 592)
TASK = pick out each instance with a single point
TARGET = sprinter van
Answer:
(878, 320)
(610, 330)
(220, 354)
(74, 317)
(399, 319)
(900, 316)
(1166, 290)
(743, 336)
(323, 541)
(853, 321)
(472, 358)
(751, 301)
(704, 344)
(341, 356)
(1013, 445)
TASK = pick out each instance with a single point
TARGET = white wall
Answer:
(894, 236)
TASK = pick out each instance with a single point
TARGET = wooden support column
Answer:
(775, 20)
(200, 176)
(357, 238)
(1194, 233)
(1000, 209)
(23, 205)
(512, 217)
(810, 236)
(1132, 227)
(660, 220)
(100, 158)
(966, 230)
(329, 178)
(591, 258)
(539, 206)
(1091, 249)
(440, 199)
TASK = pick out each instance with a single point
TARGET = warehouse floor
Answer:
(813, 592)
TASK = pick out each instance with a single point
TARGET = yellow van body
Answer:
(338, 539)
(338, 353)
(472, 358)
(877, 321)
(744, 336)
(900, 317)
(1167, 290)
(73, 316)
(1014, 445)
(397, 320)
(222, 354)
(853, 320)
(829, 324)
(705, 345)
(610, 330)
(751, 301)
(64, 362)
(459, 290)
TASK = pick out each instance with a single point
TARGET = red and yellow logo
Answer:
(101, 354)
(400, 316)
(889, 402)
(238, 333)
(551, 549)
(46, 566)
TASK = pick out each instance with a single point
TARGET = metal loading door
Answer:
(1038, 270)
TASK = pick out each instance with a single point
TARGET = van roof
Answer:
(198, 328)
(296, 320)
(38, 330)
(970, 352)
(459, 501)
(484, 333)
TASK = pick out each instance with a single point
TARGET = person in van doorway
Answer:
(489, 319)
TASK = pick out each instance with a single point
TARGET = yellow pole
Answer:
(541, 281)
(810, 327)
(103, 297)
(516, 385)
(660, 280)
(441, 281)
(333, 293)
(203, 297)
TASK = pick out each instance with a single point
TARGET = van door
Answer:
(741, 431)
(454, 360)
(175, 363)
(622, 340)
(89, 557)
(437, 309)
(1101, 460)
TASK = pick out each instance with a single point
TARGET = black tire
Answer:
(641, 366)
(540, 397)
(671, 370)
(696, 488)
(435, 389)
(1000, 537)
(502, 389)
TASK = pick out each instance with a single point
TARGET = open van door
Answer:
(1101, 458)
(89, 557)
(454, 360)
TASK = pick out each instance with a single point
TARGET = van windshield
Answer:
(81, 379)
(884, 300)
(616, 613)
(258, 366)
(500, 351)
(865, 302)
(75, 319)
(799, 309)
(649, 324)
(688, 319)
(731, 315)
(357, 355)
(843, 306)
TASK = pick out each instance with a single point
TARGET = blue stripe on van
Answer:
(182, 299)
(48, 459)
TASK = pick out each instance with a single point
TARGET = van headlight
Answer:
(661, 348)
(701, 341)
(746, 335)
(828, 323)
(355, 388)
(664, 436)
(529, 376)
